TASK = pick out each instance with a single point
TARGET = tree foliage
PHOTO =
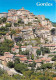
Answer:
(47, 65)
(38, 52)
(45, 50)
(3, 30)
(8, 24)
(3, 20)
(54, 58)
(53, 30)
(16, 61)
(10, 64)
(6, 46)
(20, 67)
(32, 57)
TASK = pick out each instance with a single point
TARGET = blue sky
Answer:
(48, 11)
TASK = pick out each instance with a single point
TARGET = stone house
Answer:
(6, 58)
(38, 62)
(54, 39)
(52, 47)
(12, 16)
(1, 38)
(22, 58)
(3, 14)
(41, 17)
(30, 61)
(34, 49)
(7, 36)
(25, 15)
(15, 50)
(23, 48)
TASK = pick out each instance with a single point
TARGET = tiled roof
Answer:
(48, 60)
(50, 45)
(6, 52)
(30, 60)
(23, 46)
(16, 46)
(23, 59)
(4, 57)
(13, 49)
(54, 78)
(20, 55)
(36, 47)
(38, 61)
(9, 56)
(43, 59)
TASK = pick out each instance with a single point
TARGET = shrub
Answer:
(16, 61)
(10, 64)
(20, 67)
(8, 24)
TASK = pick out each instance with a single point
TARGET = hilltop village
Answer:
(27, 39)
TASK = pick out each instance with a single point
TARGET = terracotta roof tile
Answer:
(36, 47)
(43, 59)
(48, 60)
(20, 55)
(13, 49)
(6, 52)
(38, 61)
(4, 57)
(30, 60)
(23, 59)
(23, 46)
(16, 46)
(50, 45)
(54, 78)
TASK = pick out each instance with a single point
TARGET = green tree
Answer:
(38, 52)
(6, 46)
(45, 50)
(17, 60)
(32, 57)
(3, 30)
(32, 64)
(20, 51)
(4, 19)
(10, 64)
(16, 24)
(8, 24)
(13, 32)
(1, 72)
(29, 23)
(54, 58)
(20, 67)
(25, 52)
(53, 31)
(20, 21)
(46, 19)
(47, 65)
(0, 20)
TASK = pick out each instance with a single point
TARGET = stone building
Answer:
(25, 15)
(3, 14)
